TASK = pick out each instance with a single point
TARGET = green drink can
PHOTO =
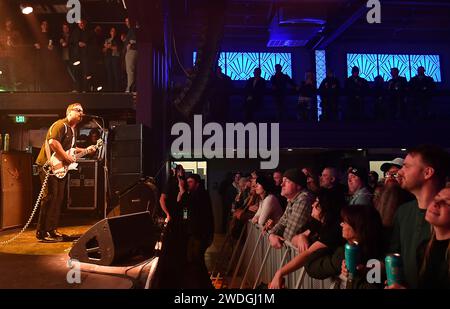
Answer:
(394, 271)
(352, 257)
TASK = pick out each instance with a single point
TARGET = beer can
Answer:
(394, 271)
(352, 256)
(6, 143)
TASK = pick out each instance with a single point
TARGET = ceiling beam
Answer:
(327, 40)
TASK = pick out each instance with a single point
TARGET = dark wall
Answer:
(302, 58)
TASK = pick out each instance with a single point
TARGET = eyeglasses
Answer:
(391, 175)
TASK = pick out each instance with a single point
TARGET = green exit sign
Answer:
(20, 119)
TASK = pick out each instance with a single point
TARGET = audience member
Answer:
(357, 186)
(397, 87)
(298, 210)
(269, 207)
(356, 88)
(360, 224)
(307, 102)
(421, 90)
(423, 174)
(131, 54)
(279, 83)
(329, 95)
(198, 224)
(254, 94)
(321, 232)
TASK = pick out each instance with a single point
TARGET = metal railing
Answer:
(258, 263)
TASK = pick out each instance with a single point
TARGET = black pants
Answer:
(196, 274)
(51, 203)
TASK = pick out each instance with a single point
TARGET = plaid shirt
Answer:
(297, 214)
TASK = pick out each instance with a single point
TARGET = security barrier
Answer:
(258, 262)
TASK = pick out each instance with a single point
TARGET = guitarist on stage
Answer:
(60, 137)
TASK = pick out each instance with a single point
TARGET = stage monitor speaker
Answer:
(16, 189)
(114, 240)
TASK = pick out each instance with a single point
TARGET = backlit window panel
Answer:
(371, 65)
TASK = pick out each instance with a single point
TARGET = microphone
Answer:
(92, 116)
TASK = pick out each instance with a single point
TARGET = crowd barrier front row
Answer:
(258, 262)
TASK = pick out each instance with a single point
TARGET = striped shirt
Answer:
(296, 215)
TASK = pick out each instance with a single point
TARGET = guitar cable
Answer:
(36, 206)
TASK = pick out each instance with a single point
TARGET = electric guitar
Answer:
(60, 169)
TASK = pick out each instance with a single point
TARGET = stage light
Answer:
(403, 149)
(88, 77)
(26, 9)
(1, 72)
(359, 149)
(76, 63)
(290, 149)
(99, 88)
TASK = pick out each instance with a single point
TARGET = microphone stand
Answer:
(105, 165)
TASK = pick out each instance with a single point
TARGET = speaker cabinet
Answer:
(82, 186)
(16, 189)
(142, 196)
(114, 240)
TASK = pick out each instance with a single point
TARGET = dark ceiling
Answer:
(253, 19)
(259, 20)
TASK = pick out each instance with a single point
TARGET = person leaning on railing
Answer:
(244, 213)
(361, 224)
(298, 209)
(269, 207)
(322, 232)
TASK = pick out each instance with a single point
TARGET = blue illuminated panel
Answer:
(387, 62)
(221, 61)
(321, 74)
(371, 65)
(367, 64)
(240, 66)
(431, 63)
(268, 61)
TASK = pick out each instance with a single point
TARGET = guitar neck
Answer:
(81, 154)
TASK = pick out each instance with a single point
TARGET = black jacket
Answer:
(200, 220)
(255, 90)
(325, 263)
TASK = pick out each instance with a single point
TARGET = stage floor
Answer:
(29, 264)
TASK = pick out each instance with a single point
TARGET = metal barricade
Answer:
(259, 262)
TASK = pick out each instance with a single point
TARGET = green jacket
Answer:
(409, 238)
(324, 263)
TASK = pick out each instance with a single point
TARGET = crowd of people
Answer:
(406, 213)
(393, 99)
(65, 57)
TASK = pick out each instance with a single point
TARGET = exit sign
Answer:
(20, 119)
